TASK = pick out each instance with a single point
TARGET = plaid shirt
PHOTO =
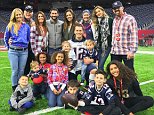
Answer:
(124, 35)
(58, 74)
(38, 42)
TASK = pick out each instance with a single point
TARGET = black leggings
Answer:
(97, 109)
(136, 104)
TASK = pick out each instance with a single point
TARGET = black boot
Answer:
(13, 88)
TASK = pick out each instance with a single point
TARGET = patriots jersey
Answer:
(78, 47)
(99, 97)
(72, 58)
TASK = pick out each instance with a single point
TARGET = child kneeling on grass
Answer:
(99, 100)
(22, 97)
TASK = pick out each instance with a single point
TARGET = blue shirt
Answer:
(20, 40)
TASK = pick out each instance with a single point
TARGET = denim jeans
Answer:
(18, 61)
(55, 100)
(87, 69)
(102, 58)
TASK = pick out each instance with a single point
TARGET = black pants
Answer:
(72, 76)
(97, 109)
(39, 89)
(128, 63)
(31, 57)
(136, 104)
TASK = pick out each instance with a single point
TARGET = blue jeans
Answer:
(87, 69)
(102, 58)
(54, 100)
(18, 61)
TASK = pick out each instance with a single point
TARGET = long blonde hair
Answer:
(94, 17)
(13, 20)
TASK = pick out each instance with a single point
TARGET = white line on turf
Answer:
(55, 108)
(146, 82)
(44, 111)
(4, 67)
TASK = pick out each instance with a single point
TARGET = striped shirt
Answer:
(124, 35)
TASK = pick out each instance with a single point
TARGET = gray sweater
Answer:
(21, 95)
(55, 33)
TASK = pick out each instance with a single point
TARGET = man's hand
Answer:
(59, 91)
(130, 55)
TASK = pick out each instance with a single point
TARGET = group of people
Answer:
(75, 47)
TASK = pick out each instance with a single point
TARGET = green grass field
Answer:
(144, 65)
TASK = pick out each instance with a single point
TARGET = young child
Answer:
(37, 75)
(73, 88)
(22, 97)
(90, 57)
(57, 78)
(99, 99)
(66, 46)
(44, 64)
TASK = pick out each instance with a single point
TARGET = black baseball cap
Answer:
(116, 5)
(29, 8)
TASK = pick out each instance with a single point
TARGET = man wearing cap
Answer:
(28, 14)
(55, 31)
(124, 36)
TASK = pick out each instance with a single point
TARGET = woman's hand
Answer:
(55, 91)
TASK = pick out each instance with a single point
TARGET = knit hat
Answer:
(86, 11)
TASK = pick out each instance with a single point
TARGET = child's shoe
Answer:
(21, 110)
(82, 82)
(12, 108)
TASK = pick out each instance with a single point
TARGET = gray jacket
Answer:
(21, 95)
(55, 33)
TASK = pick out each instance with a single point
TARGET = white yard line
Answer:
(146, 82)
(145, 52)
(55, 108)
(4, 67)
(44, 111)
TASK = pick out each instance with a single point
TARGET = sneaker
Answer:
(82, 82)
(21, 110)
(12, 108)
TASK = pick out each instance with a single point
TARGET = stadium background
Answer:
(142, 10)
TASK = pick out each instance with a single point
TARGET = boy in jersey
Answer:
(99, 99)
(90, 57)
(77, 43)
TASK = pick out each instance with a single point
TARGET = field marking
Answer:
(55, 108)
(145, 52)
(146, 82)
(44, 111)
(5, 67)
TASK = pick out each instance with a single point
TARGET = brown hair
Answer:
(73, 83)
(53, 57)
(37, 23)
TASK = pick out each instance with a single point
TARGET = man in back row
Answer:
(55, 31)
(124, 36)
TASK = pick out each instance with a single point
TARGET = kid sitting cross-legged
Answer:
(37, 76)
(22, 97)
(99, 99)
